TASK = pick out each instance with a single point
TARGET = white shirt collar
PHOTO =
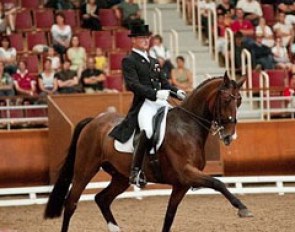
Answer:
(144, 54)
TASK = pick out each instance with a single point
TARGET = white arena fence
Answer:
(237, 185)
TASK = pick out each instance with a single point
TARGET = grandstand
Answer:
(263, 95)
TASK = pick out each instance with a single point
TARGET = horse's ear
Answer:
(241, 81)
(226, 79)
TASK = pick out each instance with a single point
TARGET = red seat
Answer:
(17, 41)
(85, 39)
(32, 4)
(71, 18)
(115, 82)
(34, 38)
(32, 63)
(277, 78)
(103, 40)
(44, 19)
(115, 61)
(268, 13)
(24, 20)
(108, 19)
(122, 41)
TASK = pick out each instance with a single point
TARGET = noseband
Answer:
(218, 122)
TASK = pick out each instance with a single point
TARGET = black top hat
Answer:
(139, 30)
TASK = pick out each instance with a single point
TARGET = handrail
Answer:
(158, 22)
(230, 58)
(199, 22)
(247, 69)
(142, 4)
(193, 65)
(265, 78)
(174, 43)
(213, 33)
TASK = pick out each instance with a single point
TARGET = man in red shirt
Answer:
(23, 81)
(242, 25)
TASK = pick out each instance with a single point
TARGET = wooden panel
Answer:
(24, 158)
(262, 148)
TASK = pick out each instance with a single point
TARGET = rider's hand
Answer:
(163, 94)
(181, 94)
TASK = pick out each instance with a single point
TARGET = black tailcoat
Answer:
(144, 79)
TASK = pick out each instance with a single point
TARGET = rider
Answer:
(143, 77)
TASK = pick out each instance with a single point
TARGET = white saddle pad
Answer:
(145, 116)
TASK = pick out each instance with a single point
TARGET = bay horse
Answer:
(213, 104)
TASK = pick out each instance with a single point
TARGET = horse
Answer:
(210, 108)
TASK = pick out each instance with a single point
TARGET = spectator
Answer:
(267, 33)
(90, 15)
(47, 81)
(101, 61)
(24, 82)
(67, 79)
(61, 35)
(283, 30)
(8, 11)
(226, 8)
(77, 55)
(92, 79)
(281, 55)
(159, 51)
(205, 7)
(8, 55)
(252, 10)
(262, 55)
(224, 22)
(181, 76)
(6, 83)
(55, 60)
(241, 24)
(128, 11)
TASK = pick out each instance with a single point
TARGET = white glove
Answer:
(181, 94)
(163, 94)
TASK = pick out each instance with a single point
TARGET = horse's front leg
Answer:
(197, 179)
(177, 195)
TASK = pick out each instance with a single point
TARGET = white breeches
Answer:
(146, 114)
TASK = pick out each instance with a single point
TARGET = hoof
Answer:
(113, 228)
(245, 213)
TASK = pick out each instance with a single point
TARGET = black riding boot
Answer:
(137, 176)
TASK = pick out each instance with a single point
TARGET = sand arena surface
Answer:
(272, 213)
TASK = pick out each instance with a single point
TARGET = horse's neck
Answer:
(197, 104)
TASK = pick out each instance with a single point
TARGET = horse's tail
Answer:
(58, 195)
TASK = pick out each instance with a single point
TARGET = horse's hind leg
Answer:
(79, 184)
(198, 179)
(177, 195)
(104, 199)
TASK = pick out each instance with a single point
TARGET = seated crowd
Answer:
(65, 66)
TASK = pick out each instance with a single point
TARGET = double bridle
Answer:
(217, 123)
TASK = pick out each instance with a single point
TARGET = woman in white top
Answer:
(61, 34)
(8, 55)
(263, 29)
(281, 55)
(47, 80)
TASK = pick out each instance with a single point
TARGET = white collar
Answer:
(144, 54)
